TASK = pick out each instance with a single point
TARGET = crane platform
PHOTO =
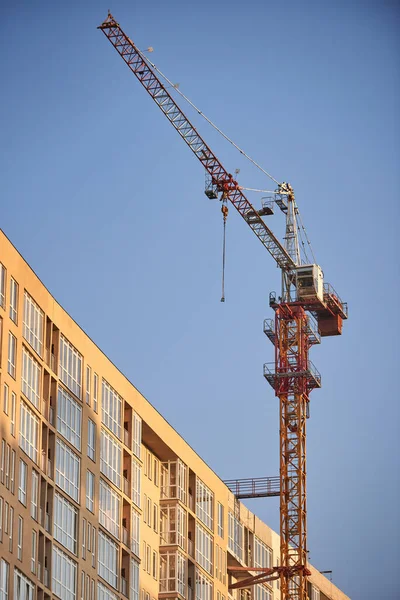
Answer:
(262, 487)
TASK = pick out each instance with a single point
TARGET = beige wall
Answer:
(158, 436)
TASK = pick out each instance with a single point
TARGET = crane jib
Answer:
(225, 182)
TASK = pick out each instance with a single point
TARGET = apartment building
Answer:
(100, 498)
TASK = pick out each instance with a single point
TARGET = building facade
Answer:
(100, 498)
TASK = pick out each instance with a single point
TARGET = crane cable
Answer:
(207, 119)
(224, 210)
(145, 58)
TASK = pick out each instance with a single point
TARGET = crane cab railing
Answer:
(274, 376)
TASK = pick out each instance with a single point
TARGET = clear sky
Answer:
(106, 203)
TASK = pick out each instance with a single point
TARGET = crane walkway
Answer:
(262, 487)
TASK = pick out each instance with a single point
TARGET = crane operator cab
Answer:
(310, 283)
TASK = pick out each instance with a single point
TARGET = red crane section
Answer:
(221, 179)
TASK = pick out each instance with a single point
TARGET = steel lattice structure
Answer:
(292, 375)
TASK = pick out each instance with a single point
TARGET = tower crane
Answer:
(307, 309)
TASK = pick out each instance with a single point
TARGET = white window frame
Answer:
(28, 431)
(23, 481)
(69, 417)
(32, 329)
(70, 367)
(3, 277)
(111, 408)
(137, 435)
(34, 494)
(66, 520)
(63, 575)
(67, 470)
(109, 509)
(12, 355)
(108, 558)
(91, 440)
(204, 548)
(204, 504)
(24, 588)
(135, 531)
(13, 313)
(30, 378)
(110, 457)
(90, 490)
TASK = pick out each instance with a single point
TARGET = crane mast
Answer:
(307, 309)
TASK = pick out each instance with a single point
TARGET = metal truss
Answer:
(221, 179)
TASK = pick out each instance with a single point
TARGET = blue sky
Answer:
(106, 203)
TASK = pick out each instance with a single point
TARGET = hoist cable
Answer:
(207, 119)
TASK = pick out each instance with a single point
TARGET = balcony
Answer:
(46, 578)
(126, 487)
(47, 523)
(126, 438)
(125, 536)
(190, 548)
(124, 587)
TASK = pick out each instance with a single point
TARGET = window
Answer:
(149, 465)
(220, 564)
(95, 390)
(13, 300)
(1, 521)
(11, 528)
(155, 563)
(90, 482)
(155, 517)
(12, 415)
(23, 478)
(70, 367)
(262, 592)
(135, 532)
(4, 574)
(136, 482)
(103, 593)
(204, 503)
(64, 573)
(2, 286)
(204, 587)
(24, 589)
(147, 510)
(12, 354)
(91, 445)
(5, 399)
(108, 560)
(69, 414)
(88, 379)
(84, 539)
(173, 525)
(315, 593)
(12, 471)
(33, 551)
(34, 494)
(204, 548)
(111, 409)
(33, 324)
(20, 537)
(67, 470)
(156, 467)
(109, 509)
(173, 573)
(235, 536)
(110, 458)
(65, 522)
(28, 431)
(220, 520)
(30, 378)
(137, 435)
(134, 580)
(262, 554)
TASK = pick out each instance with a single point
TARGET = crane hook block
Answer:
(224, 210)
